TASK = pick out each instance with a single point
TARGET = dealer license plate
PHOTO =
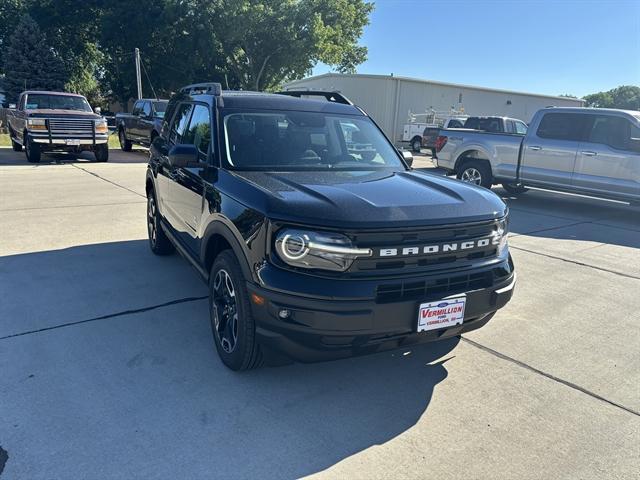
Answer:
(72, 142)
(442, 313)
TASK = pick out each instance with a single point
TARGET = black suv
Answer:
(315, 236)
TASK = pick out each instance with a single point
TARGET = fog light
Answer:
(284, 313)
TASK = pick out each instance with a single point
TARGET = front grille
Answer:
(438, 287)
(419, 238)
(67, 126)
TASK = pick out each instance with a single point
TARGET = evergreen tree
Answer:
(29, 63)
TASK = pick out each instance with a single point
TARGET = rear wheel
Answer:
(158, 240)
(101, 152)
(514, 188)
(125, 144)
(475, 172)
(416, 144)
(233, 326)
(32, 150)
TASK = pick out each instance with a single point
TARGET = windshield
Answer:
(160, 108)
(305, 140)
(39, 101)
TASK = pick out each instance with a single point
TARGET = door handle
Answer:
(589, 153)
(535, 147)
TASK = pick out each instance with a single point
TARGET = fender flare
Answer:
(219, 227)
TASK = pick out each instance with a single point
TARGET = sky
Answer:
(544, 46)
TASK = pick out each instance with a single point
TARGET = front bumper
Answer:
(319, 329)
(70, 142)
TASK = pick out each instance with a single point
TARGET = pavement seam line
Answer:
(108, 181)
(548, 375)
(71, 206)
(514, 235)
(108, 316)
(575, 262)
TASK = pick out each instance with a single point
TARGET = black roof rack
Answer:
(334, 97)
(213, 88)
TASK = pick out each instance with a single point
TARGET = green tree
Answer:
(30, 63)
(267, 42)
(10, 12)
(626, 97)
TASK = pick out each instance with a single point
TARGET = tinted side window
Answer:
(199, 131)
(510, 127)
(136, 108)
(146, 109)
(180, 122)
(561, 126)
(617, 132)
(455, 124)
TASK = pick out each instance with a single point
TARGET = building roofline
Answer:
(432, 82)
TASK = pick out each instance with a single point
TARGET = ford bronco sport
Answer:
(317, 239)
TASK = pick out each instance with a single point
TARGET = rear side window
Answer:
(510, 127)
(616, 132)
(180, 122)
(562, 126)
(455, 124)
(521, 128)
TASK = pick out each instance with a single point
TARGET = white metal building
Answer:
(389, 99)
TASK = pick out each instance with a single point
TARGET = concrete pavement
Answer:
(109, 370)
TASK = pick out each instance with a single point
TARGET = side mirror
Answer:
(97, 110)
(12, 105)
(184, 156)
(407, 156)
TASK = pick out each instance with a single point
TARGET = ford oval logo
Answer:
(443, 304)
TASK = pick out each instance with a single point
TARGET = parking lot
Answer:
(109, 369)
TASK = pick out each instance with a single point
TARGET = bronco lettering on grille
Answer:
(441, 248)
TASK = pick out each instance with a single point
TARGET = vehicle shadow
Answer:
(131, 368)
(10, 158)
(568, 217)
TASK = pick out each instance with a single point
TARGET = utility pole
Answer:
(138, 77)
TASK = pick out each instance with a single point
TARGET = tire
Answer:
(32, 151)
(101, 152)
(125, 145)
(514, 189)
(232, 325)
(158, 240)
(16, 146)
(416, 145)
(475, 172)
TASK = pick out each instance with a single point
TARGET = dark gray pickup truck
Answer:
(142, 125)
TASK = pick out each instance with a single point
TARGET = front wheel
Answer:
(101, 152)
(32, 151)
(233, 326)
(514, 188)
(16, 146)
(475, 172)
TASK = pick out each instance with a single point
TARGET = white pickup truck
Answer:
(590, 151)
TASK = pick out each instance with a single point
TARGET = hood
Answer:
(369, 199)
(53, 113)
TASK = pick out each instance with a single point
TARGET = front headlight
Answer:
(101, 126)
(322, 250)
(37, 124)
(501, 235)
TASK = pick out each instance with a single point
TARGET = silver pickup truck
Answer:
(590, 151)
